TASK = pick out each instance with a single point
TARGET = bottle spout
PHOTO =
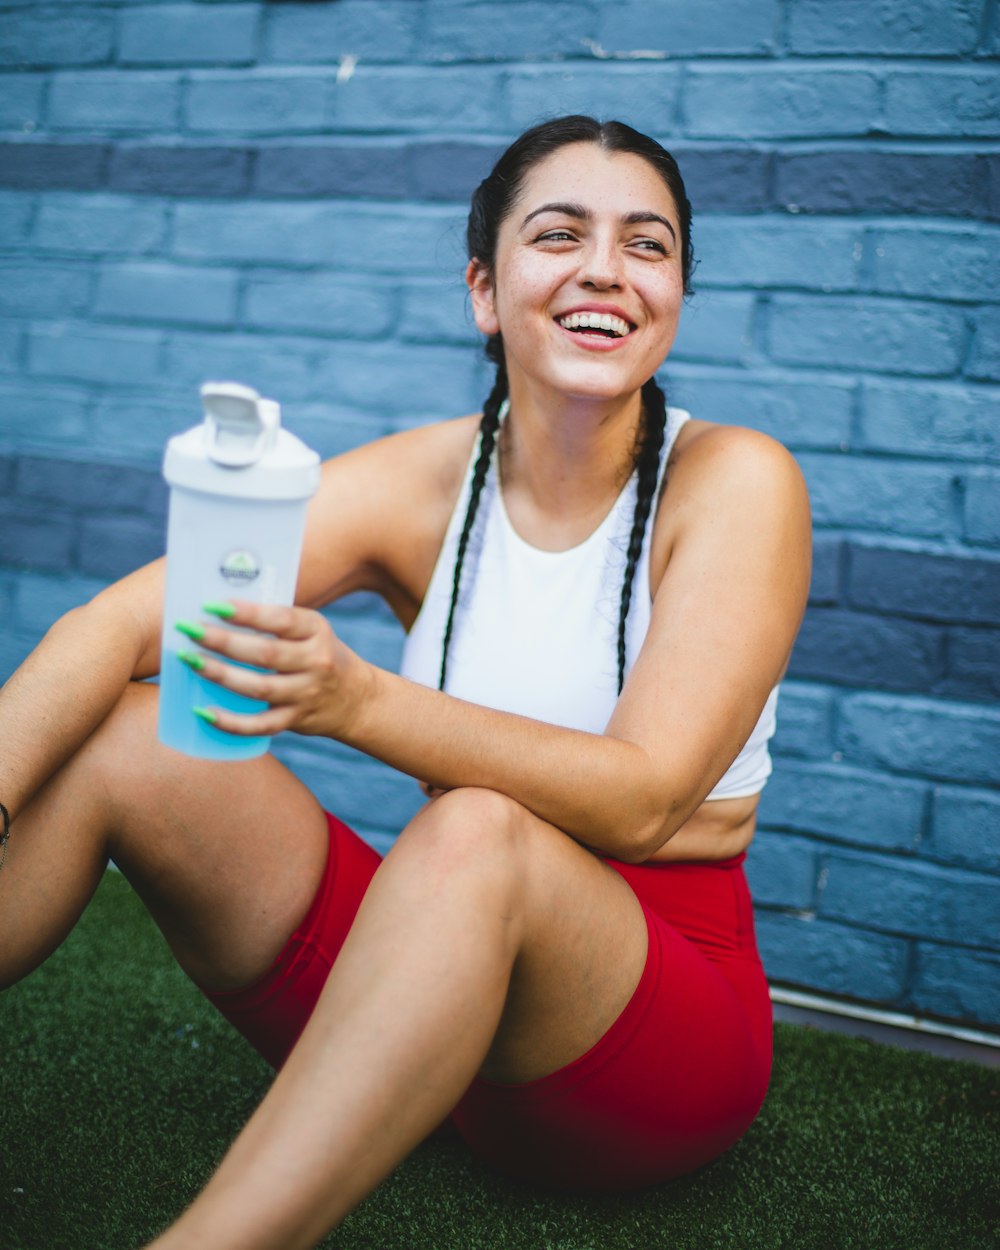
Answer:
(240, 425)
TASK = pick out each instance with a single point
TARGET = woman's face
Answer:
(587, 287)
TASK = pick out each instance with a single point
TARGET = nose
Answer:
(600, 265)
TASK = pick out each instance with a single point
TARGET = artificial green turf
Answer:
(120, 1088)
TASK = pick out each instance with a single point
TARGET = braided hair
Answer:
(494, 198)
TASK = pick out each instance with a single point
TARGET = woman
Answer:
(559, 947)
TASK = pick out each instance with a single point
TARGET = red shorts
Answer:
(676, 1080)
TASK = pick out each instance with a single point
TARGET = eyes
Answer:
(641, 243)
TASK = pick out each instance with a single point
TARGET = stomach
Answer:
(719, 829)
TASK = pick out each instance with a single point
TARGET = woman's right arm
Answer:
(73, 678)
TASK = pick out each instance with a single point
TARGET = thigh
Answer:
(226, 856)
(674, 1082)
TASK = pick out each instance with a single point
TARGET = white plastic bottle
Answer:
(239, 486)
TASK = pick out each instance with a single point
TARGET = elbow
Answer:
(645, 838)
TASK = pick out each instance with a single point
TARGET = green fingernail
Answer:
(192, 659)
(191, 630)
(219, 608)
(206, 714)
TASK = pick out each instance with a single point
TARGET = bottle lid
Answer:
(240, 449)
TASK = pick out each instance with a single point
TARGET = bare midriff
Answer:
(719, 829)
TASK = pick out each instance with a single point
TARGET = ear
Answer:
(480, 284)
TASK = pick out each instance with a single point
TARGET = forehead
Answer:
(603, 182)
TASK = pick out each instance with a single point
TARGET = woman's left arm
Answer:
(724, 619)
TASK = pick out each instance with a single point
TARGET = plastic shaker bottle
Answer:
(239, 485)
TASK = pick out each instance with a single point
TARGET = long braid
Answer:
(654, 419)
(488, 427)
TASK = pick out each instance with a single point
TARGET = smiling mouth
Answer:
(604, 325)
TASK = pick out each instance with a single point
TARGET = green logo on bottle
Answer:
(240, 566)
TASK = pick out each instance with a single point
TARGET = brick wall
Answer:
(276, 192)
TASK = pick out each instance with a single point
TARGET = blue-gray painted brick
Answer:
(644, 95)
(351, 28)
(917, 28)
(332, 429)
(448, 170)
(248, 103)
(112, 546)
(854, 180)
(973, 665)
(525, 31)
(676, 28)
(188, 34)
(138, 426)
(939, 263)
(40, 599)
(102, 101)
(982, 507)
(929, 738)
(881, 335)
(285, 369)
(163, 170)
(715, 326)
(764, 252)
(93, 353)
(38, 289)
(90, 487)
(911, 899)
(421, 239)
(962, 984)
(930, 420)
(81, 36)
(334, 304)
(21, 100)
(34, 411)
(965, 827)
(948, 103)
(832, 958)
(929, 585)
(768, 102)
(167, 294)
(800, 413)
(11, 349)
(846, 804)
(858, 649)
(33, 537)
(804, 722)
(781, 870)
(438, 311)
(824, 588)
(8, 467)
(411, 99)
(984, 361)
(725, 180)
(69, 166)
(878, 494)
(369, 796)
(339, 169)
(99, 223)
(15, 216)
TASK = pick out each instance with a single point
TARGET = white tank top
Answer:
(536, 632)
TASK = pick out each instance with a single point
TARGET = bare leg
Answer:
(227, 857)
(487, 941)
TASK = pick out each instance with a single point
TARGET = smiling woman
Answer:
(601, 593)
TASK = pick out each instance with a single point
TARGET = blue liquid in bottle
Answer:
(181, 690)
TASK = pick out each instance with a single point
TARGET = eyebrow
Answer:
(584, 214)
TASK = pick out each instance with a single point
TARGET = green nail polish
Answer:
(219, 608)
(190, 630)
(192, 659)
(206, 715)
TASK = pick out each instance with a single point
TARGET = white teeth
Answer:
(595, 321)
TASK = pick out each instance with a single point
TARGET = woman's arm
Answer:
(724, 619)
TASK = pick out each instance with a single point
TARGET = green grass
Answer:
(120, 1090)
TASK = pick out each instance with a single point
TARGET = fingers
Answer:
(274, 642)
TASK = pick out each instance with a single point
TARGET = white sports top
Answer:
(536, 632)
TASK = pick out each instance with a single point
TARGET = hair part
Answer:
(492, 202)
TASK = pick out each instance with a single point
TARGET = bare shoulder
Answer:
(381, 511)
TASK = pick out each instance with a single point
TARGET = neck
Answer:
(569, 458)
